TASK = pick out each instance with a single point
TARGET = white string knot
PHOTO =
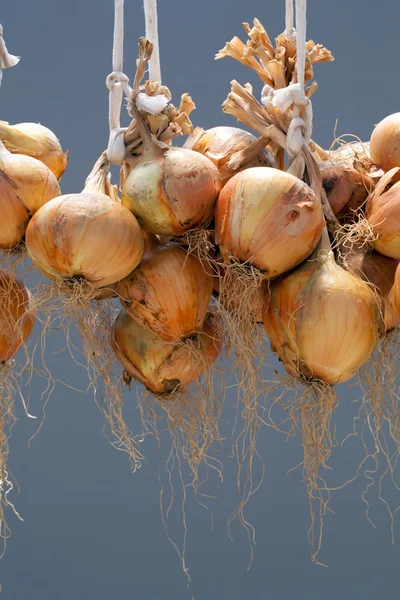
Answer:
(117, 77)
(117, 83)
(6, 60)
(300, 129)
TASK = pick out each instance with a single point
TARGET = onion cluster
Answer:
(167, 336)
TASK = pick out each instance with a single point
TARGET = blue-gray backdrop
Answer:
(91, 528)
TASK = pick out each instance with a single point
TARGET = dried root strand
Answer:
(239, 287)
(379, 418)
(190, 418)
(71, 305)
(309, 406)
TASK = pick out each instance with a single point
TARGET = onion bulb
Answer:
(269, 219)
(34, 183)
(383, 215)
(15, 215)
(160, 366)
(323, 322)
(347, 188)
(33, 139)
(169, 292)
(380, 271)
(111, 291)
(16, 314)
(219, 144)
(171, 190)
(385, 142)
(88, 236)
(347, 154)
(394, 295)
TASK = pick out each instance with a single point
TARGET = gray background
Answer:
(91, 528)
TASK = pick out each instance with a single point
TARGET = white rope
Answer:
(150, 15)
(6, 60)
(301, 22)
(293, 95)
(117, 83)
(290, 32)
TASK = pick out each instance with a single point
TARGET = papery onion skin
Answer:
(346, 188)
(160, 366)
(380, 271)
(385, 142)
(269, 219)
(169, 292)
(383, 214)
(33, 139)
(111, 291)
(394, 295)
(220, 143)
(86, 235)
(346, 154)
(172, 193)
(34, 183)
(16, 314)
(14, 215)
(323, 322)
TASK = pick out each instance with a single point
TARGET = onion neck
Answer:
(97, 179)
(151, 149)
(3, 149)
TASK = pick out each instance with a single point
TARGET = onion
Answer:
(34, 183)
(385, 142)
(160, 366)
(383, 215)
(347, 154)
(394, 295)
(16, 314)
(323, 322)
(269, 219)
(171, 190)
(380, 271)
(88, 236)
(15, 215)
(33, 139)
(219, 144)
(346, 188)
(111, 291)
(169, 292)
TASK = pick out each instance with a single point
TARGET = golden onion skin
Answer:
(346, 154)
(220, 143)
(380, 271)
(383, 214)
(86, 235)
(16, 314)
(269, 219)
(111, 291)
(385, 143)
(34, 183)
(346, 188)
(160, 366)
(323, 322)
(33, 139)
(394, 295)
(173, 192)
(14, 215)
(168, 293)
